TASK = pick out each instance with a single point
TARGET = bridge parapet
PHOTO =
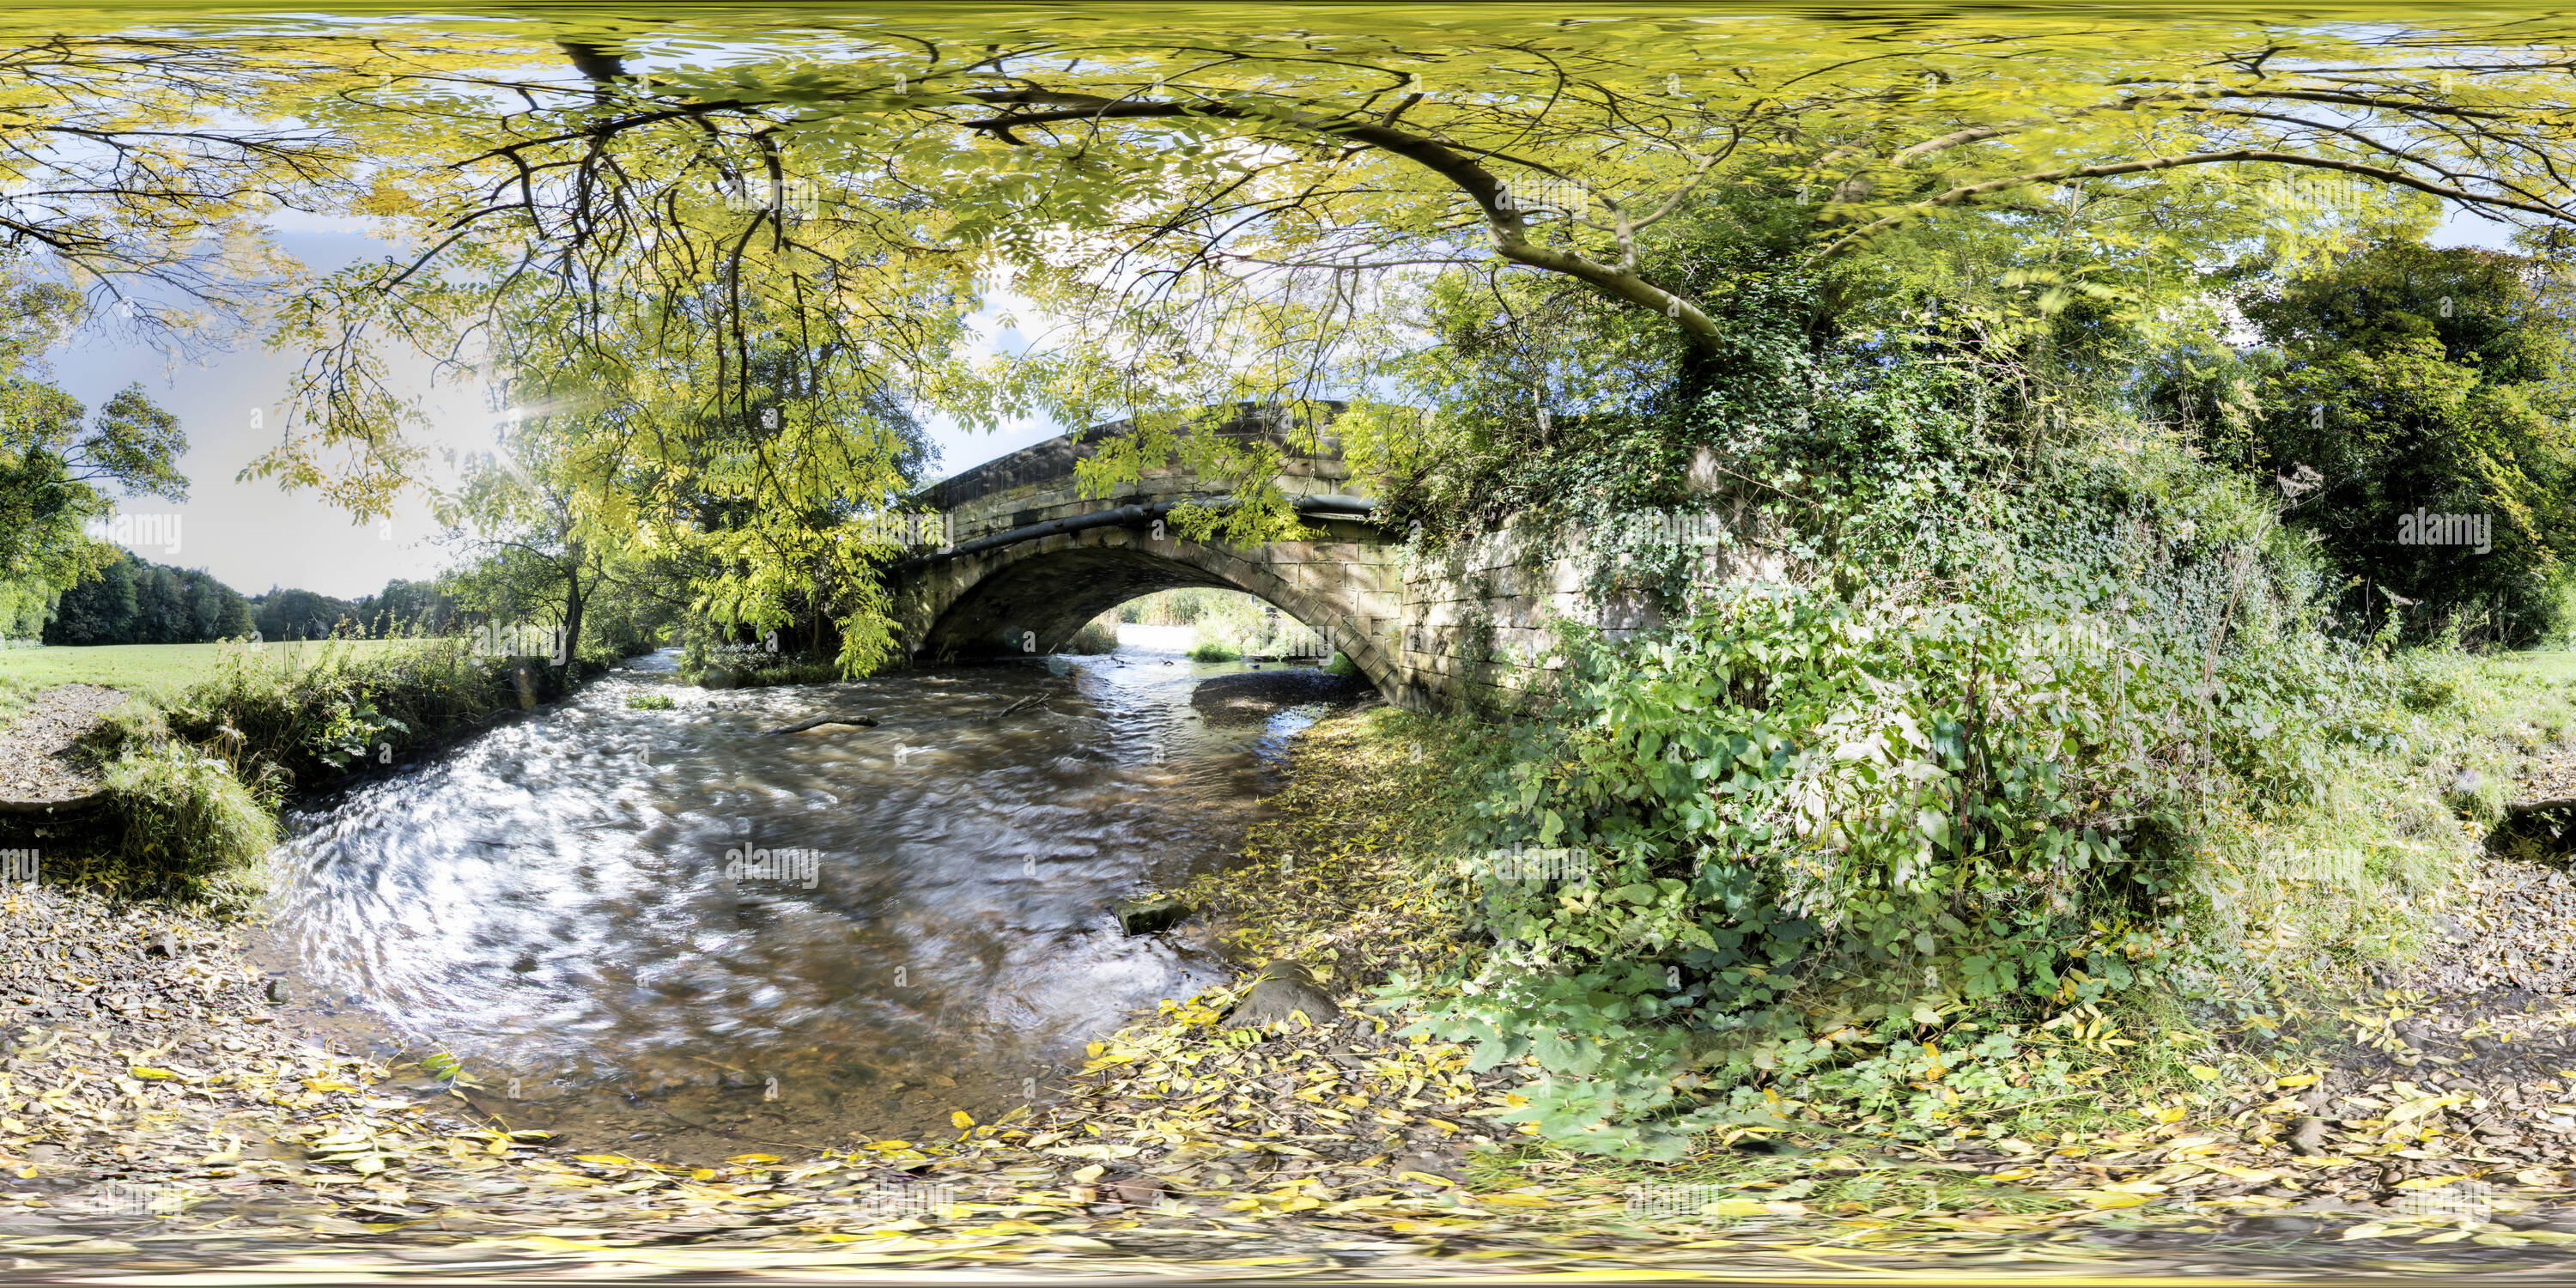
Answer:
(1037, 484)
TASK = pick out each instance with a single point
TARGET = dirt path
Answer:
(37, 763)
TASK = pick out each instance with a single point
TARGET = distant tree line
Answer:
(134, 601)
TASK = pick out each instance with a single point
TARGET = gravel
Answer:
(37, 762)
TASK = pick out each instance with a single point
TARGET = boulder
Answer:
(1145, 916)
(1281, 987)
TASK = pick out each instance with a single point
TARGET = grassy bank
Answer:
(223, 735)
(168, 667)
(2123, 1115)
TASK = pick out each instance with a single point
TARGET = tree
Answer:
(205, 600)
(298, 615)
(57, 473)
(160, 606)
(2418, 382)
(100, 610)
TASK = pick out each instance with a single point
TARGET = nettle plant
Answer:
(1833, 819)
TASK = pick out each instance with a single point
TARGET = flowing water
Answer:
(679, 927)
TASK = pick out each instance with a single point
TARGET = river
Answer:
(561, 904)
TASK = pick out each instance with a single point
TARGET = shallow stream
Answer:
(563, 904)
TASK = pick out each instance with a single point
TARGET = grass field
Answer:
(2562, 663)
(143, 668)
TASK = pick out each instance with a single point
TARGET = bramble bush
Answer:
(1898, 841)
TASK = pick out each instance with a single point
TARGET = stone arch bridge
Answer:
(1030, 559)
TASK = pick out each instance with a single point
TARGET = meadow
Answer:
(152, 668)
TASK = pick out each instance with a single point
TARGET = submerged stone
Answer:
(1145, 916)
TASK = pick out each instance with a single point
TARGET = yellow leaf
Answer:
(2300, 1080)
(2414, 1109)
(1424, 1177)
(2204, 1073)
(156, 1075)
(960, 1119)
(2111, 1198)
(2365, 1230)
(753, 1158)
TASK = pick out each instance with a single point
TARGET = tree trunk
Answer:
(574, 602)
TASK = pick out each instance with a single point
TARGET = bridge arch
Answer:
(1026, 554)
(1034, 595)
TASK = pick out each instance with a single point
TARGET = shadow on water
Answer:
(564, 905)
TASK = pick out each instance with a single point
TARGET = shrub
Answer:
(1099, 635)
(181, 816)
(1825, 822)
(285, 726)
(1341, 664)
(1215, 651)
(649, 702)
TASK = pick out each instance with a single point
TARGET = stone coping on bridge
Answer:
(1037, 484)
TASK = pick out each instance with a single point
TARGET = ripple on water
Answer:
(551, 900)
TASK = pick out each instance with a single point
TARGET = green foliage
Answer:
(1099, 635)
(286, 727)
(133, 601)
(2413, 378)
(2087, 747)
(1214, 651)
(649, 702)
(182, 817)
(57, 474)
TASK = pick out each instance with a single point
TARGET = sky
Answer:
(256, 536)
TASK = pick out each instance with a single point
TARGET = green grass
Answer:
(148, 667)
(2561, 664)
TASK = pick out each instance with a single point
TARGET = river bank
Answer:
(153, 1099)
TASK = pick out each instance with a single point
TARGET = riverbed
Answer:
(683, 930)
